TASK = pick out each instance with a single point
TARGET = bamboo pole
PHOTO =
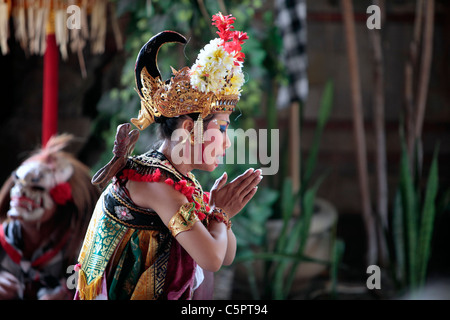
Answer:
(425, 68)
(359, 134)
(294, 145)
(410, 66)
(380, 139)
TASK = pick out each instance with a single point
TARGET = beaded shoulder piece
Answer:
(153, 166)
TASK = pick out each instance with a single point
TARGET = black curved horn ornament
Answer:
(148, 54)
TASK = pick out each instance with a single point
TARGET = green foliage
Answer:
(249, 226)
(324, 114)
(282, 261)
(413, 222)
(338, 248)
(293, 238)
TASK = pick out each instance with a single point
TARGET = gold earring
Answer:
(198, 130)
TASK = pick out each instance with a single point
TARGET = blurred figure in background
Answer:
(45, 207)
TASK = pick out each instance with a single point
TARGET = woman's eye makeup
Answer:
(223, 125)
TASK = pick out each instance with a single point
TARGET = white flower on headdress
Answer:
(211, 67)
(236, 81)
(218, 67)
(215, 53)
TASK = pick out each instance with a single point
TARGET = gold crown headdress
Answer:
(212, 85)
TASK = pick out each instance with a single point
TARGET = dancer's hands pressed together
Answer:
(232, 197)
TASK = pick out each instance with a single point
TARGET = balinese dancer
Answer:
(46, 205)
(155, 234)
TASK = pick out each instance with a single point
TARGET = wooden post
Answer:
(294, 145)
(382, 201)
(358, 127)
(425, 68)
(50, 86)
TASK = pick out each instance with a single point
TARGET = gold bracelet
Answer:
(220, 215)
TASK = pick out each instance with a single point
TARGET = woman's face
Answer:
(216, 141)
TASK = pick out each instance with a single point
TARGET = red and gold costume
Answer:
(129, 250)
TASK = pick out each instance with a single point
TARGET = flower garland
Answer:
(218, 67)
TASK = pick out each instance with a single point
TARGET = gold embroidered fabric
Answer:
(109, 249)
(184, 219)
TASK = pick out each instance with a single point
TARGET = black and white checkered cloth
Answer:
(291, 21)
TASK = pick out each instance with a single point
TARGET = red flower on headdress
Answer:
(239, 38)
(224, 24)
(61, 193)
(232, 40)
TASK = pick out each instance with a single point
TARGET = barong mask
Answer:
(40, 183)
(212, 85)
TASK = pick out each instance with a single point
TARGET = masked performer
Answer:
(47, 203)
(155, 234)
